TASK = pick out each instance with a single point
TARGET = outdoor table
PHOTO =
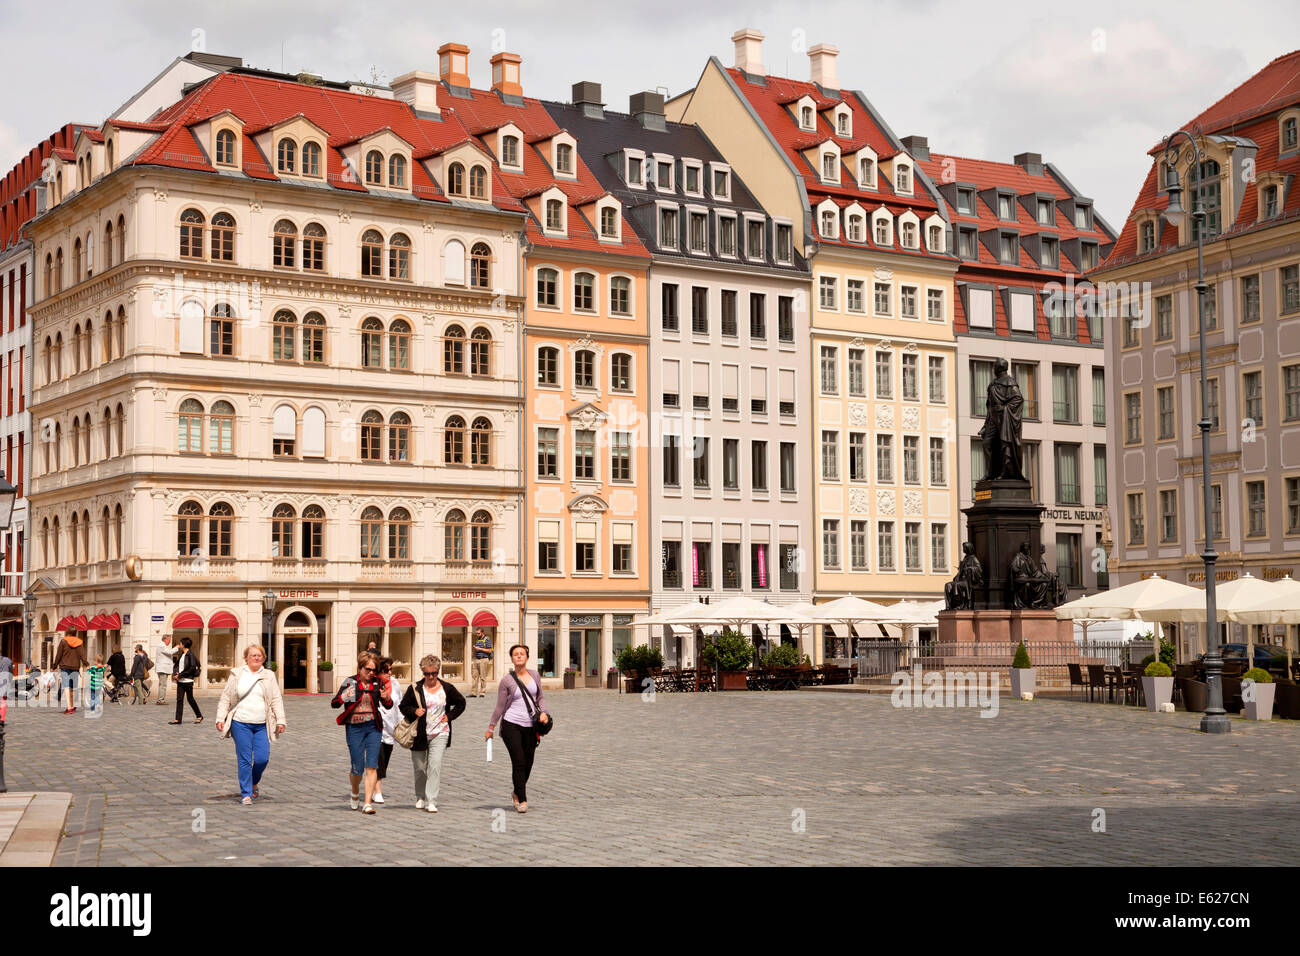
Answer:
(1114, 679)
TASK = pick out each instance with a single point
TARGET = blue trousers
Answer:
(252, 754)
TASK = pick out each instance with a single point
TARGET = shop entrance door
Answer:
(584, 655)
(295, 663)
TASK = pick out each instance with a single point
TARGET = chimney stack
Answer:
(453, 64)
(917, 146)
(821, 59)
(749, 51)
(648, 110)
(1032, 163)
(505, 74)
(419, 89)
(587, 96)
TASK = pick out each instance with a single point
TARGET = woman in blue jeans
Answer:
(362, 696)
(251, 711)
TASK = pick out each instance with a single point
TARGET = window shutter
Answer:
(585, 531)
(700, 378)
(731, 381)
(191, 327)
(622, 533)
(785, 382)
(313, 433)
(980, 313)
(453, 263)
(284, 423)
(1022, 312)
(672, 375)
(758, 383)
(548, 531)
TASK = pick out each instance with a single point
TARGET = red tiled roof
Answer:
(1272, 88)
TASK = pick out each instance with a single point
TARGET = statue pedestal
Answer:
(1003, 626)
(1003, 517)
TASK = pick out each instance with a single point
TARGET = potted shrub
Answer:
(1024, 676)
(636, 664)
(570, 678)
(730, 658)
(783, 655)
(325, 677)
(1257, 697)
(1158, 685)
(611, 679)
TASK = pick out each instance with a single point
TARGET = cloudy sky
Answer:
(1090, 86)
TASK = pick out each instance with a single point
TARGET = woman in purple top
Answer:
(517, 729)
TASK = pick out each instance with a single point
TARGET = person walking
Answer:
(481, 666)
(434, 705)
(96, 677)
(6, 678)
(117, 670)
(517, 731)
(164, 664)
(251, 712)
(362, 696)
(390, 716)
(69, 659)
(139, 674)
(187, 669)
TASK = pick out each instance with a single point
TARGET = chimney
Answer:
(453, 64)
(1032, 163)
(505, 74)
(419, 89)
(749, 51)
(821, 59)
(648, 109)
(917, 146)
(587, 96)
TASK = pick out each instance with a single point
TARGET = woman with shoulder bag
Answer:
(390, 716)
(363, 697)
(431, 705)
(251, 711)
(519, 701)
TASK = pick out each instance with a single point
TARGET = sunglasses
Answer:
(430, 673)
(367, 670)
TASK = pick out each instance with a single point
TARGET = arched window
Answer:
(284, 431)
(453, 263)
(372, 343)
(284, 245)
(287, 156)
(221, 429)
(119, 526)
(399, 345)
(223, 237)
(88, 342)
(909, 235)
(108, 244)
(76, 259)
(192, 234)
(225, 148)
(453, 535)
(313, 338)
(453, 351)
(480, 531)
(105, 534)
(313, 247)
(584, 292)
(397, 171)
(510, 150)
(478, 183)
(90, 255)
(74, 527)
(830, 166)
(399, 535)
(806, 117)
(479, 258)
(828, 223)
(609, 222)
(58, 269)
(548, 366)
(547, 280)
(399, 437)
(453, 441)
(58, 355)
(121, 331)
(620, 372)
(480, 353)
(85, 537)
(311, 159)
(620, 296)
(313, 432)
(372, 531)
(49, 274)
(284, 336)
(867, 170)
(283, 526)
(456, 179)
(399, 257)
(45, 544)
(76, 348)
(563, 158)
(313, 532)
(480, 442)
(189, 431)
(108, 434)
(49, 360)
(372, 254)
(374, 168)
(221, 530)
(903, 178)
(372, 431)
(189, 529)
(119, 425)
(106, 346)
(584, 369)
(221, 326)
(76, 441)
(121, 240)
(554, 215)
(856, 226)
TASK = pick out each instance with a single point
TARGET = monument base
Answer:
(1003, 627)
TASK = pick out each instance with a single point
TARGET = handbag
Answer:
(229, 713)
(542, 728)
(408, 729)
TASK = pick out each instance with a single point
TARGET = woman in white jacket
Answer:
(251, 711)
(391, 717)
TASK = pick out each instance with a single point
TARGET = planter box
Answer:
(632, 683)
(325, 681)
(733, 680)
(611, 680)
(1023, 681)
(570, 680)
(1261, 708)
(1158, 690)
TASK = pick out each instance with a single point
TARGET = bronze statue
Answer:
(959, 593)
(1002, 425)
(1027, 588)
(1055, 589)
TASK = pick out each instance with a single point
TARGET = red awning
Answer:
(402, 619)
(186, 619)
(112, 622)
(371, 619)
(454, 619)
(79, 623)
(64, 624)
(485, 619)
(98, 623)
(223, 619)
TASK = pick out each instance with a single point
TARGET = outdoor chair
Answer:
(1076, 677)
(1286, 701)
(1096, 679)
(1196, 694)
(1231, 694)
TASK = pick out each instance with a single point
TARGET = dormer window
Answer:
(1088, 255)
(1006, 207)
(456, 179)
(806, 117)
(664, 175)
(856, 226)
(867, 172)
(608, 222)
(1007, 248)
(697, 233)
(909, 235)
(510, 151)
(287, 156)
(1290, 138)
(884, 229)
(828, 223)
(726, 236)
(1045, 212)
(784, 242)
(478, 182)
(754, 238)
(397, 171)
(1083, 216)
(1270, 202)
(1049, 255)
(554, 215)
(903, 178)
(225, 148)
(830, 167)
(668, 227)
(635, 171)
(1148, 237)
(721, 184)
(564, 158)
(374, 168)
(842, 124)
(966, 202)
(311, 160)
(936, 238)
(691, 183)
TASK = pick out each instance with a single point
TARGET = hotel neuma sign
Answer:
(1072, 514)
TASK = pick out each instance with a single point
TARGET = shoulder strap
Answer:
(256, 683)
(528, 698)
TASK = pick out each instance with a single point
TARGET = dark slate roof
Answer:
(600, 145)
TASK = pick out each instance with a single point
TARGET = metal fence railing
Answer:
(1049, 657)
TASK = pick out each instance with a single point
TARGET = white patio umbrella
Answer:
(1128, 603)
(1245, 592)
(800, 616)
(1281, 606)
(851, 610)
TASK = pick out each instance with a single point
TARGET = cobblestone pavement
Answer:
(744, 778)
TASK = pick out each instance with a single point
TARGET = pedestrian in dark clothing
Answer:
(139, 674)
(187, 669)
(518, 697)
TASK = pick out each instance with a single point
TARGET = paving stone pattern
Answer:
(743, 778)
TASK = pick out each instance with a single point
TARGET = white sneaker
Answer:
(379, 798)
(355, 802)
(431, 808)
(419, 804)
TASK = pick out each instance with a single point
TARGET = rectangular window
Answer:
(700, 463)
(936, 379)
(911, 377)
(785, 318)
(584, 453)
(1290, 278)
(911, 459)
(1026, 374)
(669, 310)
(858, 545)
(1212, 402)
(1067, 474)
(548, 557)
(1098, 395)
(907, 302)
(1007, 248)
(1065, 394)
(668, 237)
(858, 372)
(1164, 318)
(548, 445)
(1069, 559)
(1133, 418)
(698, 231)
(699, 310)
(854, 297)
(1250, 299)
(757, 317)
(1293, 505)
(934, 305)
(732, 568)
(622, 557)
(1210, 307)
(981, 375)
(1291, 392)
(938, 461)
(728, 318)
(754, 238)
(1216, 510)
(788, 470)
(826, 292)
(912, 546)
(885, 559)
(830, 361)
(731, 464)
(670, 563)
(760, 577)
(620, 455)
(584, 557)
(1168, 516)
(702, 564)
(758, 466)
(672, 461)
(1256, 510)
(784, 242)
(1164, 413)
(830, 544)
(885, 459)
(830, 456)
(884, 375)
(939, 548)
(1099, 474)
(1006, 207)
(726, 236)
(857, 456)
(882, 292)
(1137, 532)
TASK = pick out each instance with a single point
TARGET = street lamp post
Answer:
(268, 618)
(29, 606)
(1215, 720)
